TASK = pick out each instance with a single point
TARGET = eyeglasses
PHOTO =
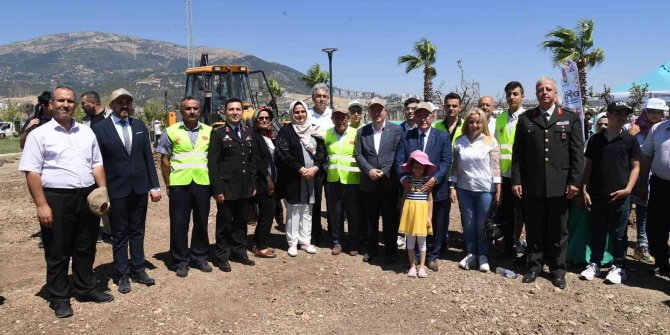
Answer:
(263, 118)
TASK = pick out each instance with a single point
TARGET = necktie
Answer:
(126, 135)
(237, 131)
(422, 136)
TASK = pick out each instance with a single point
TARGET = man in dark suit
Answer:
(547, 166)
(374, 152)
(437, 145)
(131, 174)
(232, 171)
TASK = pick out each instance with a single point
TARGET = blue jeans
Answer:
(609, 218)
(476, 208)
(640, 222)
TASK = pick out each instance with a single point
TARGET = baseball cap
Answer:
(377, 101)
(98, 201)
(339, 110)
(619, 106)
(424, 105)
(120, 92)
(355, 103)
(656, 103)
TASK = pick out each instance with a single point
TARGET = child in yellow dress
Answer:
(417, 210)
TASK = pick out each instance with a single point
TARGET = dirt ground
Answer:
(313, 294)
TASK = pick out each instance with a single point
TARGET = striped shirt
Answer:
(414, 192)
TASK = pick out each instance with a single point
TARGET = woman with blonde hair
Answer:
(475, 180)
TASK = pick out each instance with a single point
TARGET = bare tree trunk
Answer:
(581, 70)
(427, 84)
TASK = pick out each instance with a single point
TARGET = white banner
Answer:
(572, 98)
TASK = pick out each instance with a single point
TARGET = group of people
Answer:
(527, 165)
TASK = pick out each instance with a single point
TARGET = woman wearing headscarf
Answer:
(265, 180)
(302, 156)
(652, 113)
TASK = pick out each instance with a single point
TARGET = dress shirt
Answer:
(165, 144)
(549, 111)
(425, 139)
(119, 129)
(657, 146)
(492, 125)
(476, 164)
(377, 136)
(321, 120)
(64, 159)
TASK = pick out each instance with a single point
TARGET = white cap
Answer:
(657, 104)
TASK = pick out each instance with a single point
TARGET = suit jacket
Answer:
(231, 161)
(265, 164)
(438, 149)
(547, 155)
(290, 159)
(368, 158)
(126, 173)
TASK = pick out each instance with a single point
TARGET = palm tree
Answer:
(275, 87)
(575, 45)
(424, 56)
(314, 76)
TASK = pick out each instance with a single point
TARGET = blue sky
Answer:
(497, 40)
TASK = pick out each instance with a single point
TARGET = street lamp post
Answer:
(330, 51)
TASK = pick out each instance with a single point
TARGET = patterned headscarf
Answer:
(305, 129)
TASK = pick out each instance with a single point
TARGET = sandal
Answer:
(268, 253)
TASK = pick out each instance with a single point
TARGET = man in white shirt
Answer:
(320, 113)
(488, 105)
(510, 210)
(63, 164)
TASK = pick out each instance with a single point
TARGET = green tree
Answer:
(637, 94)
(275, 87)
(575, 45)
(154, 109)
(11, 113)
(424, 56)
(314, 76)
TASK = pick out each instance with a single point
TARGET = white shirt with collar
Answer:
(425, 139)
(377, 136)
(119, 129)
(64, 159)
(657, 146)
(549, 111)
(322, 120)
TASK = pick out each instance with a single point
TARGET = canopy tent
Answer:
(658, 80)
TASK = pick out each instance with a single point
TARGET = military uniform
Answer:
(547, 156)
(232, 171)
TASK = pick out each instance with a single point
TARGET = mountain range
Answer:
(104, 61)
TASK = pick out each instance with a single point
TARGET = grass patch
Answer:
(9, 145)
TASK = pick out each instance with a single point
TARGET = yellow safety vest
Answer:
(441, 125)
(506, 141)
(188, 163)
(342, 165)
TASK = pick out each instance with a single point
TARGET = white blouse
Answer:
(476, 165)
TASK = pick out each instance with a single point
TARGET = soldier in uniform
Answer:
(547, 166)
(232, 171)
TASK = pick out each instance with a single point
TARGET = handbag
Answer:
(493, 229)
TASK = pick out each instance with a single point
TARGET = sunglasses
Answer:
(355, 112)
(264, 118)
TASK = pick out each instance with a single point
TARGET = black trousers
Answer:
(266, 211)
(185, 201)
(231, 230)
(385, 203)
(73, 235)
(340, 199)
(658, 222)
(317, 229)
(128, 221)
(510, 213)
(547, 233)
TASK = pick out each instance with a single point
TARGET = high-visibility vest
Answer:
(342, 165)
(442, 126)
(506, 141)
(188, 163)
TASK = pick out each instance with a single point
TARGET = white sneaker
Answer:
(401, 242)
(590, 272)
(615, 275)
(293, 251)
(468, 262)
(484, 264)
(310, 249)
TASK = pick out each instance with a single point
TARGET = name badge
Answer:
(562, 123)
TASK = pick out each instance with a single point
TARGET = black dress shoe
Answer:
(143, 278)
(204, 267)
(124, 284)
(559, 281)
(246, 261)
(225, 266)
(182, 272)
(656, 270)
(96, 296)
(529, 277)
(61, 308)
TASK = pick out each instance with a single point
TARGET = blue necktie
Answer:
(421, 141)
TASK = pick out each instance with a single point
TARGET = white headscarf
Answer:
(594, 128)
(305, 129)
